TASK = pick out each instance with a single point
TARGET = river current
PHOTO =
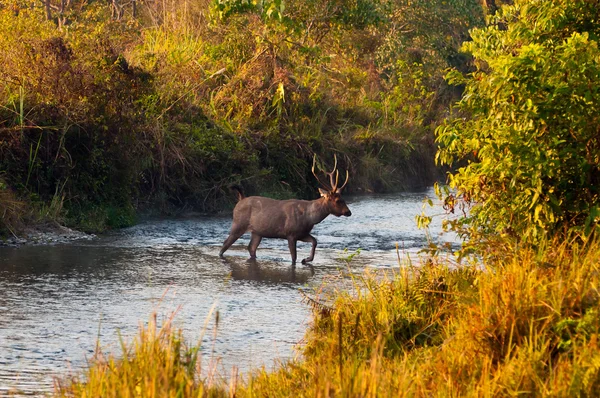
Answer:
(58, 303)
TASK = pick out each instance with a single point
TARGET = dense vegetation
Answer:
(527, 128)
(109, 107)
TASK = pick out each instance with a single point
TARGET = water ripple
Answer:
(56, 301)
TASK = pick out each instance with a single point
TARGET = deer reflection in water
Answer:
(268, 271)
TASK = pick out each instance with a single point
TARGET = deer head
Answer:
(332, 194)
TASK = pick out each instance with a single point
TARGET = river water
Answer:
(58, 302)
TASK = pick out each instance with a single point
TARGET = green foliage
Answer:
(98, 218)
(269, 10)
(525, 133)
(102, 108)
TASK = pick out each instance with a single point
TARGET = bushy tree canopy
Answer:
(526, 134)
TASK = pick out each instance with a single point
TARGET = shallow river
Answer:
(57, 302)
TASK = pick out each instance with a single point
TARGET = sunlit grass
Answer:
(157, 364)
(525, 325)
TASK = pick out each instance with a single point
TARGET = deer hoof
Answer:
(306, 260)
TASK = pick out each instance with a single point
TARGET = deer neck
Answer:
(319, 210)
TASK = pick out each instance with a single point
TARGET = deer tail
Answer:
(239, 190)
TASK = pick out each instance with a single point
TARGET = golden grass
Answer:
(526, 325)
(157, 364)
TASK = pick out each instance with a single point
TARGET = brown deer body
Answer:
(285, 219)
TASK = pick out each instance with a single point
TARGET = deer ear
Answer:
(323, 192)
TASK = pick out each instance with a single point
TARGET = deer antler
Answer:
(333, 184)
(345, 182)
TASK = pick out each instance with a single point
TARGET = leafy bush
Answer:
(525, 133)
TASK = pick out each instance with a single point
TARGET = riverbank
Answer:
(398, 169)
(527, 322)
(124, 111)
(47, 233)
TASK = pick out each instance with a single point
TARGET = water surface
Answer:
(57, 302)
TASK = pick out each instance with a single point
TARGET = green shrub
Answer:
(525, 134)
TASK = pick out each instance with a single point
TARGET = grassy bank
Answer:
(526, 324)
(108, 108)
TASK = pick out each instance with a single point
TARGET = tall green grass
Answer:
(526, 324)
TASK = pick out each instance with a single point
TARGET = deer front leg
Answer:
(292, 246)
(253, 245)
(311, 239)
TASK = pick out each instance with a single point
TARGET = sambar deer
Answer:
(286, 219)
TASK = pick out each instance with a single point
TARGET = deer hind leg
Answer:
(253, 245)
(311, 239)
(234, 235)
(292, 246)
